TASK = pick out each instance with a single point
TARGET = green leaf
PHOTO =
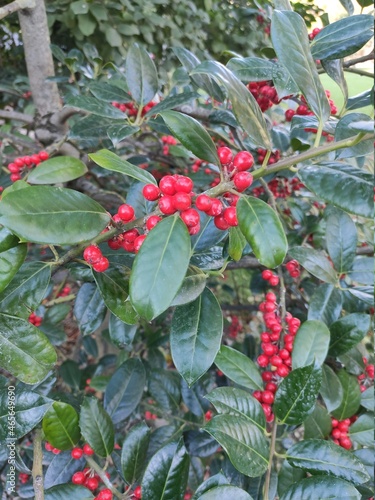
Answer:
(160, 267)
(263, 230)
(25, 351)
(89, 128)
(29, 410)
(60, 426)
(364, 293)
(244, 106)
(245, 444)
(360, 100)
(7, 239)
(114, 288)
(342, 185)
(110, 161)
(134, 452)
(341, 239)
(196, 333)
(335, 70)
(239, 368)
(310, 344)
(234, 401)
(119, 132)
(27, 289)
(141, 75)
(348, 6)
(322, 487)
(164, 387)
(348, 332)
(71, 373)
(296, 396)
(237, 243)
(351, 400)
(192, 135)
(353, 361)
(288, 476)
(89, 309)
(63, 491)
(348, 127)
(10, 262)
(331, 389)
(120, 333)
(172, 101)
(125, 389)
(290, 41)
(94, 106)
(343, 38)
(326, 458)
(193, 285)
(362, 431)
(367, 399)
(59, 169)
(97, 427)
(325, 304)
(113, 37)
(315, 263)
(362, 270)
(318, 424)
(166, 474)
(39, 213)
(225, 491)
(251, 69)
(107, 92)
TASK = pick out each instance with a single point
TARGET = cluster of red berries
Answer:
(27, 95)
(65, 291)
(78, 453)
(19, 164)
(89, 479)
(167, 140)
(93, 255)
(280, 187)
(271, 277)
(150, 416)
(35, 320)
(235, 327)
(314, 32)
(339, 432)
(274, 158)
(23, 477)
(278, 358)
(304, 110)
(49, 447)
(366, 379)
(130, 109)
(293, 268)
(264, 93)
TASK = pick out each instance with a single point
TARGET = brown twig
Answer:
(16, 6)
(38, 466)
(15, 115)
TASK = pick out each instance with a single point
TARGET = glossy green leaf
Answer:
(113, 286)
(341, 239)
(225, 491)
(27, 289)
(94, 106)
(97, 427)
(39, 213)
(193, 285)
(317, 425)
(322, 487)
(287, 477)
(342, 185)
(209, 235)
(350, 126)
(89, 309)
(160, 268)
(310, 344)
(290, 41)
(348, 6)
(315, 263)
(58, 169)
(71, 373)
(25, 351)
(212, 482)
(239, 368)
(196, 333)
(364, 293)
(360, 100)
(29, 410)
(251, 69)
(282, 5)
(89, 128)
(166, 474)
(362, 431)
(164, 387)
(63, 491)
(141, 75)
(110, 161)
(173, 101)
(362, 270)
(283, 81)
(237, 243)
(244, 105)
(60, 426)
(234, 401)
(108, 92)
(343, 38)
(120, 333)
(61, 469)
(367, 399)
(124, 390)
(325, 304)
(119, 132)
(347, 332)
(325, 457)
(244, 442)
(353, 361)
(297, 394)
(134, 452)
(331, 389)
(335, 70)
(7, 239)
(192, 135)
(10, 262)
(263, 230)
(351, 400)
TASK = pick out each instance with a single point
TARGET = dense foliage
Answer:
(186, 299)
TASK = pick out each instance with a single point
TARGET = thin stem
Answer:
(267, 481)
(60, 300)
(319, 134)
(103, 477)
(266, 158)
(53, 250)
(38, 466)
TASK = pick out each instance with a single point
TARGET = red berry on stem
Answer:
(267, 274)
(182, 201)
(152, 221)
(184, 184)
(43, 155)
(230, 215)
(138, 242)
(92, 254)
(137, 493)
(78, 478)
(92, 483)
(243, 161)
(151, 192)
(87, 450)
(77, 453)
(274, 280)
(221, 223)
(225, 155)
(167, 185)
(216, 207)
(203, 202)
(190, 217)
(242, 181)
(125, 212)
(101, 266)
(166, 205)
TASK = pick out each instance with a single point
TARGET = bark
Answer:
(16, 6)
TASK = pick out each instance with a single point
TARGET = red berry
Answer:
(302, 110)
(267, 274)
(265, 337)
(131, 235)
(257, 395)
(276, 361)
(182, 201)
(284, 354)
(221, 223)
(274, 280)
(125, 212)
(87, 450)
(78, 478)
(269, 349)
(13, 168)
(35, 159)
(92, 483)
(242, 180)
(92, 254)
(271, 297)
(105, 495)
(208, 415)
(263, 360)
(184, 184)
(19, 162)
(230, 215)
(336, 433)
(77, 453)
(225, 155)
(268, 397)
(216, 207)
(152, 221)
(271, 386)
(114, 243)
(166, 205)
(243, 161)
(101, 266)
(267, 376)
(43, 155)
(289, 113)
(138, 242)
(203, 202)
(194, 229)
(48, 447)
(282, 371)
(151, 192)
(190, 217)
(167, 185)
(15, 177)
(345, 442)
(137, 493)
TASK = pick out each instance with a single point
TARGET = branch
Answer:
(352, 62)
(14, 115)
(16, 6)
(38, 466)
(246, 262)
